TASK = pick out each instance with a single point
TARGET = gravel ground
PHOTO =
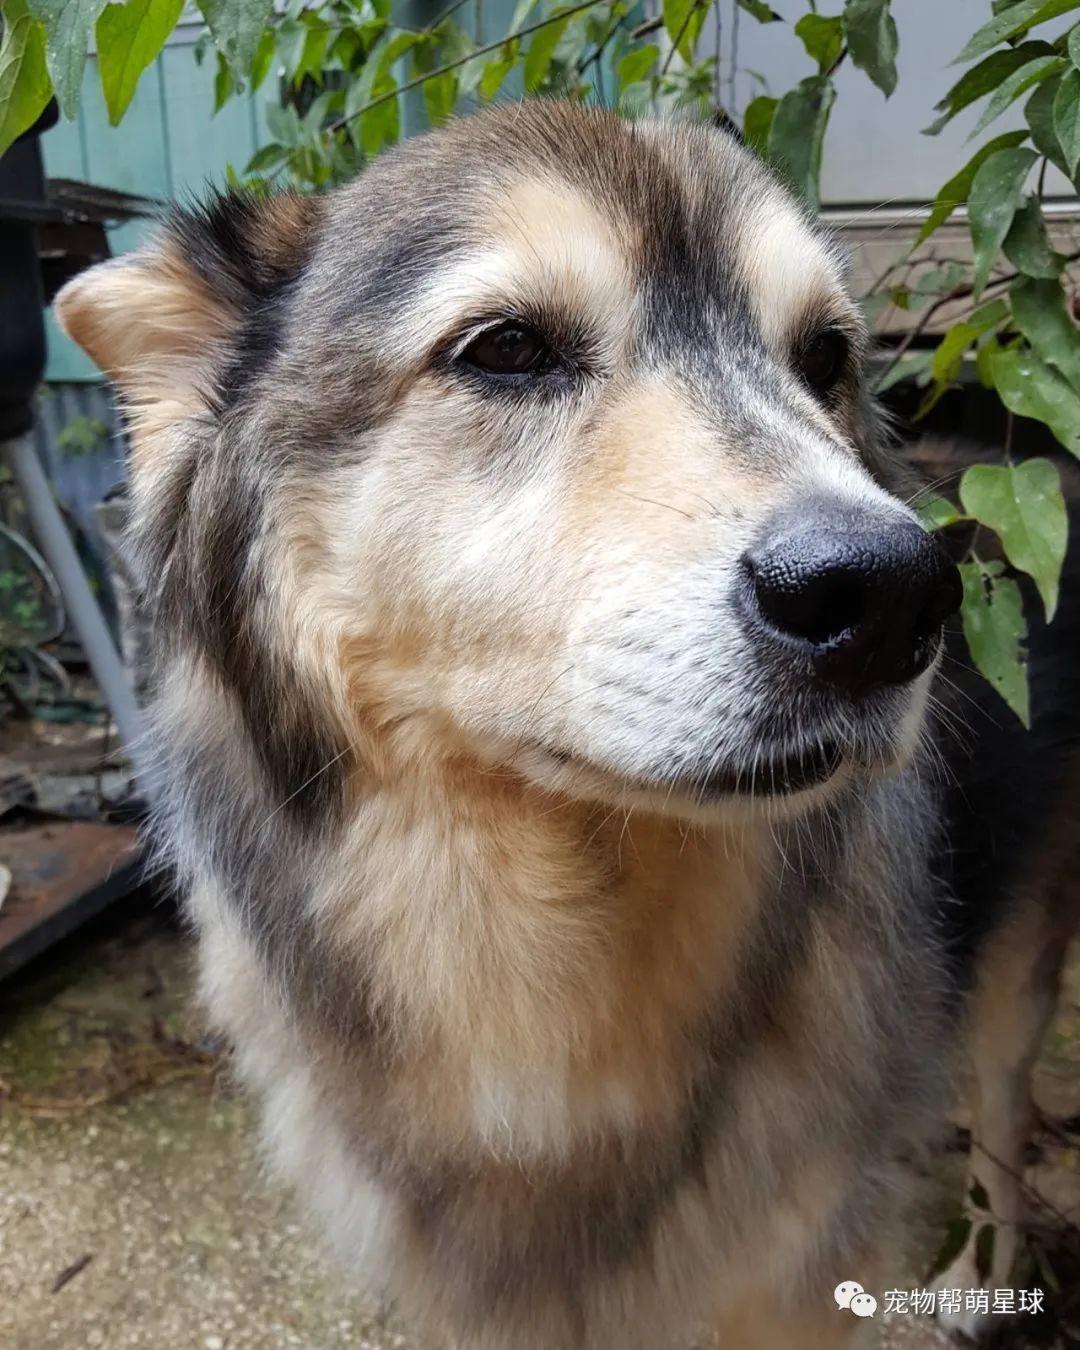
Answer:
(132, 1209)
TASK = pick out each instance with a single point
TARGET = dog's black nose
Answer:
(864, 598)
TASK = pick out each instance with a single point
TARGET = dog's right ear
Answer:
(165, 323)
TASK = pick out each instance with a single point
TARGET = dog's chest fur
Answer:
(599, 1075)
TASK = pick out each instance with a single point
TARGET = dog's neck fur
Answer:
(509, 927)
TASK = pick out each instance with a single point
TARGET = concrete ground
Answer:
(132, 1208)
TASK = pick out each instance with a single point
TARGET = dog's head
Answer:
(544, 443)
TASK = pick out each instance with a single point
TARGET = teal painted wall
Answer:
(168, 144)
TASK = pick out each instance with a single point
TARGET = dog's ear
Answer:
(168, 322)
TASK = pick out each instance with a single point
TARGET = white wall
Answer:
(874, 151)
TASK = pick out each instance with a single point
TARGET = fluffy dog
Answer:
(542, 666)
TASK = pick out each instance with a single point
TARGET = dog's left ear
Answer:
(164, 322)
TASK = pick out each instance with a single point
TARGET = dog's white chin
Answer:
(581, 780)
(576, 775)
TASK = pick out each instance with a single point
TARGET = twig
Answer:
(69, 1272)
(1028, 1189)
(451, 8)
(957, 293)
(586, 61)
(679, 36)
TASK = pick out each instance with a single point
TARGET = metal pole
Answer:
(55, 543)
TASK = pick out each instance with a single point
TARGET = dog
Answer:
(542, 705)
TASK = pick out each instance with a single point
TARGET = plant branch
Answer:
(680, 35)
(587, 61)
(331, 127)
(644, 29)
(957, 293)
(451, 8)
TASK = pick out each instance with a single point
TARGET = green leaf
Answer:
(457, 45)
(683, 20)
(984, 78)
(636, 64)
(223, 83)
(290, 45)
(263, 59)
(822, 37)
(1024, 506)
(1039, 312)
(995, 630)
(949, 354)
(1016, 19)
(957, 190)
(494, 73)
(1039, 113)
(267, 158)
(757, 120)
(237, 28)
(762, 12)
(1027, 246)
(440, 95)
(541, 49)
(392, 49)
(1073, 45)
(370, 130)
(1031, 388)
(24, 76)
(68, 25)
(312, 53)
(283, 122)
(380, 125)
(937, 513)
(912, 366)
(938, 280)
(797, 134)
(1067, 118)
(1031, 72)
(129, 36)
(992, 203)
(497, 70)
(984, 356)
(871, 38)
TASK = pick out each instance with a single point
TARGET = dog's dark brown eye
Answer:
(821, 360)
(513, 348)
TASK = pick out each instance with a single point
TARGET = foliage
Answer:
(81, 435)
(345, 70)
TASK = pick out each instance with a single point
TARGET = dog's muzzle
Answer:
(858, 599)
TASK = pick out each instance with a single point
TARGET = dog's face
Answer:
(543, 443)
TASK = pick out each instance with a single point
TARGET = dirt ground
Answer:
(133, 1212)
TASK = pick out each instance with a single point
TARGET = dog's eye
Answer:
(512, 348)
(821, 361)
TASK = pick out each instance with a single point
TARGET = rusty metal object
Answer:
(63, 873)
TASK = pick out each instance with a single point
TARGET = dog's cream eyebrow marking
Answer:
(789, 271)
(542, 245)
